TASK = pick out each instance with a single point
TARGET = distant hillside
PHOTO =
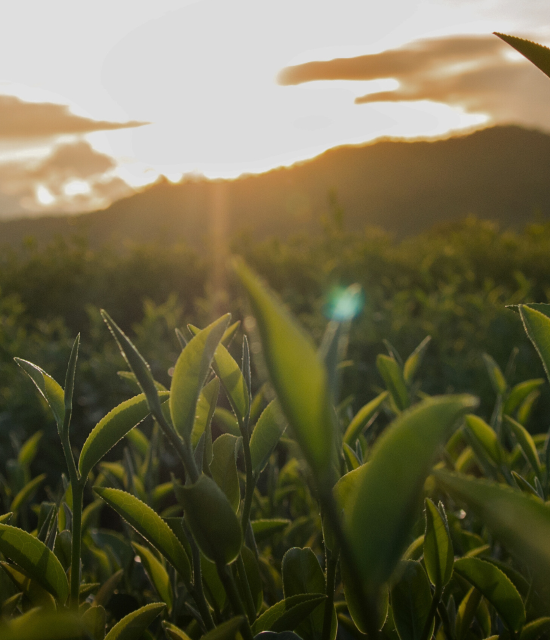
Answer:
(500, 173)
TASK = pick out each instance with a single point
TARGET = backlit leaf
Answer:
(395, 383)
(362, 418)
(414, 360)
(190, 373)
(156, 572)
(224, 467)
(438, 548)
(537, 327)
(536, 53)
(287, 614)
(526, 443)
(135, 623)
(150, 525)
(270, 427)
(48, 387)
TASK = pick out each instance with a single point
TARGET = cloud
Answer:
(19, 119)
(73, 178)
(478, 73)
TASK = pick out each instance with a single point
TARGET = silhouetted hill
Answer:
(500, 173)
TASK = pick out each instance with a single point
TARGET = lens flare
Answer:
(345, 304)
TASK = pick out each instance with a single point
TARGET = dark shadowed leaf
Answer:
(135, 623)
(157, 573)
(287, 614)
(536, 53)
(411, 598)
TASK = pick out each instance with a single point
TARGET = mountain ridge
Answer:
(499, 173)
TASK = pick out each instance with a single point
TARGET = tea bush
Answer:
(294, 516)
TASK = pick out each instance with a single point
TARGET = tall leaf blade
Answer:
(48, 387)
(112, 428)
(411, 599)
(297, 373)
(270, 427)
(496, 587)
(414, 360)
(35, 559)
(535, 53)
(393, 377)
(156, 572)
(362, 418)
(519, 521)
(537, 327)
(150, 525)
(224, 467)
(190, 373)
(388, 489)
(438, 548)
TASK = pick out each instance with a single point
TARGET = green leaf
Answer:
(352, 461)
(297, 374)
(466, 613)
(486, 437)
(495, 374)
(535, 53)
(520, 522)
(526, 407)
(27, 492)
(356, 605)
(48, 387)
(387, 489)
(94, 621)
(69, 385)
(104, 594)
(139, 440)
(232, 379)
(225, 631)
(172, 632)
(224, 467)
(496, 587)
(395, 383)
(135, 623)
(526, 443)
(414, 360)
(363, 418)
(535, 629)
(190, 373)
(37, 624)
(438, 548)
(519, 393)
(112, 428)
(206, 406)
(253, 576)
(537, 327)
(287, 614)
(149, 525)
(226, 421)
(157, 574)
(35, 559)
(264, 529)
(29, 449)
(411, 599)
(131, 378)
(303, 574)
(219, 537)
(268, 430)
(136, 362)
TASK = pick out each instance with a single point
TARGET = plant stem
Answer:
(78, 495)
(332, 561)
(233, 595)
(250, 484)
(426, 632)
(249, 600)
(369, 613)
(198, 591)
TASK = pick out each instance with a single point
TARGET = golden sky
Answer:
(99, 98)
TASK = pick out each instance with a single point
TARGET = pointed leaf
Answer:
(104, 594)
(206, 406)
(190, 373)
(389, 487)
(536, 53)
(438, 548)
(486, 437)
(466, 612)
(157, 574)
(270, 427)
(69, 385)
(37, 624)
(393, 377)
(519, 393)
(29, 449)
(414, 360)
(411, 598)
(219, 537)
(264, 529)
(232, 379)
(172, 632)
(136, 362)
(297, 373)
(495, 374)
(112, 428)
(150, 525)
(27, 492)
(225, 631)
(48, 387)
(287, 614)
(135, 623)
(224, 467)
(35, 559)
(526, 443)
(535, 629)
(363, 418)
(225, 420)
(496, 587)
(519, 521)
(94, 621)
(537, 327)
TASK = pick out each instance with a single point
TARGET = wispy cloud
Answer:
(23, 120)
(481, 74)
(74, 177)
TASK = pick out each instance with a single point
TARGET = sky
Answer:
(98, 99)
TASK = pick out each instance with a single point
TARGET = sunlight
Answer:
(76, 187)
(44, 196)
